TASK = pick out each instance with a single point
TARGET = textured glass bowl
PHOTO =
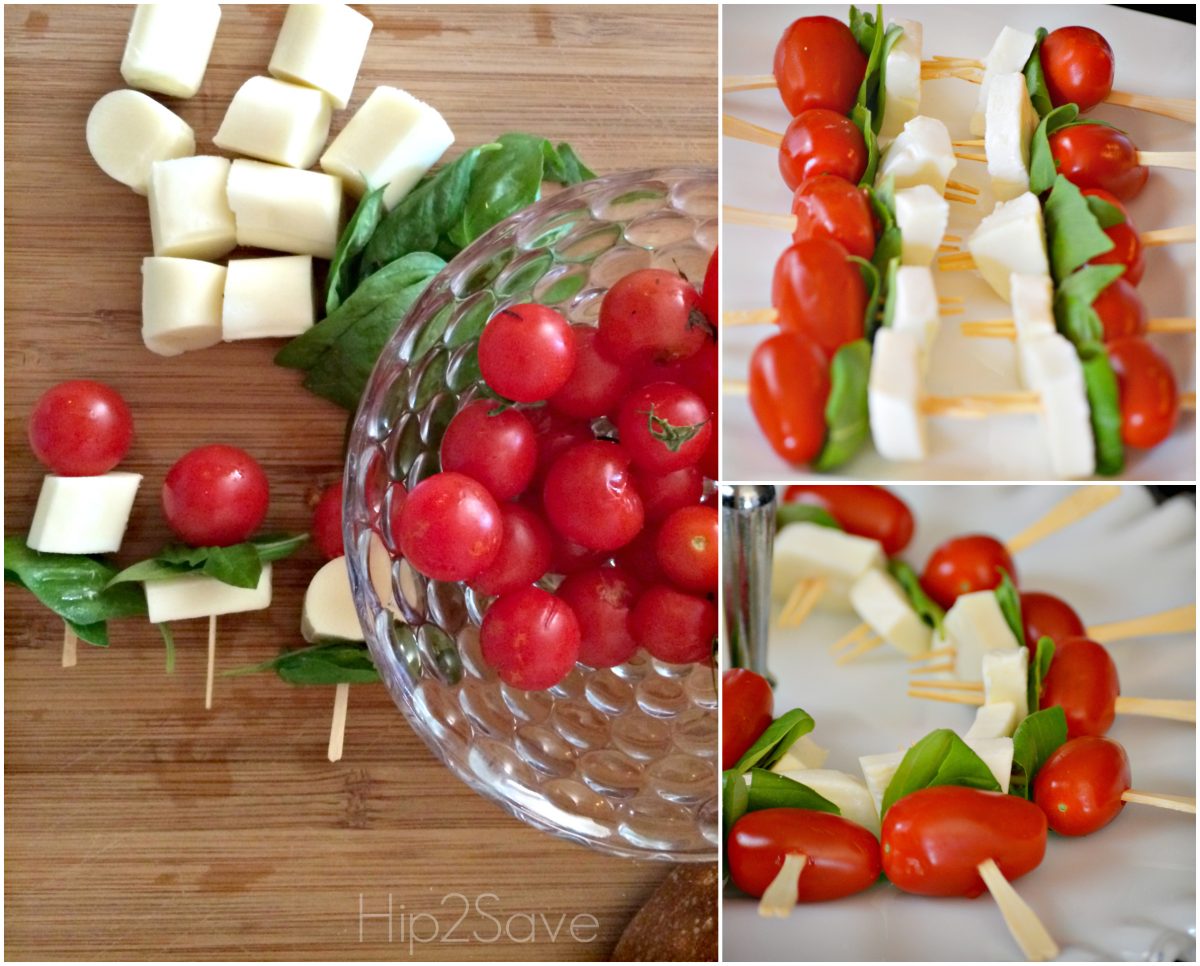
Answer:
(623, 759)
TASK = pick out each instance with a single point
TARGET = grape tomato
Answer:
(821, 142)
(747, 709)
(602, 599)
(965, 565)
(664, 426)
(1079, 787)
(818, 63)
(80, 428)
(873, 512)
(1083, 681)
(652, 314)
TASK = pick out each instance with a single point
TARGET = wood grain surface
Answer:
(136, 824)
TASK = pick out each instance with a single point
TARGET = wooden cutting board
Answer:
(137, 824)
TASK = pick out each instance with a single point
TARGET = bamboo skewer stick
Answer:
(1183, 160)
(1023, 923)
(1181, 109)
(337, 728)
(757, 219)
(1168, 236)
(936, 652)
(750, 82)
(779, 898)
(735, 318)
(1175, 803)
(1084, 501)
(962, 186)
(870, 644)
(800, 605)
(971, 692)
(947, 666)
(853, 636)
(212, 662)
(1006, 329)
(1177, 621)
(70, 646)
(735, 127)
(971, 156)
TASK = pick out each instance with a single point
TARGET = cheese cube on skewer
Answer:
(189, 213)
(915, 308)
(181, 304)
(195, 595)
(268, 298)
(804, 753)
(1011, 239)
(1008, 55)
(881, 602)
(83, 514)
(276, 121)
(1006, 679)
(894, 397)
(921, 154)
(975, 625)
(922, 215)
(285, 209)
(329, 611)
(878, 770)
(996, 719)
(1032, 306)
(804, 551)
(128, 131)
(902, 98)
(997, 754)
(1050, 366)
(845, 791)
(168, 46)
(1011, 121)
(321, 45)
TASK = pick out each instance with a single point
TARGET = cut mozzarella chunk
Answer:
(914, 308)
(997, 754)
(902, 98)
(329, 612)
(321, 45)
(1032, 305)
(392, 139)
(921, 215)
(804, 753)
(921, 154)
(894, 397)
(1011, 121)
(976, 625)
(267, 298)
(181, 304)
(1008, 55)
(285, 209)
(276, 121)
(1006, 678)
(878, 770)
(1012, 239)
(996, 719)
(83, 514)
(128, 131)
(881, 602)
(845, 791)
(194, 595)
(1050, 366)
(804, 551)
(189, 213)
(168, 46)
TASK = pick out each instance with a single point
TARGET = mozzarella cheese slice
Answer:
(181, 304)
(329, 612)
(1008, 55)
(1006, 678)
(915, 308)
(83, 514)
(285, 209)
(845, 791)
(881, 602)
(1032, 305)
(168, 46)
(321, 45)
(128, 131)
(1011, 121)
(976, 625)
(902, 97)
(189, 214)
(267, 298)
(804, 753)
(1050, 366)
(275, 121)
(922, 215)
(804, 551)
(1011, 239)
(996, 719)
(921, 154)
(997, 754)
(194, 595)
(894, 397)
(878, 770)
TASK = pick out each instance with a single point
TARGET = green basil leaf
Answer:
(169, 644)
(860, 116)
(863, 25)
(804, 513)
(239, 565)
(1073, 236)
(886, 260)
(1039, 736)
(277, 546)
(334, 662)
(891, 267)
(847, 425)
(1107, 214)
(95, 634)
(147, 570)
(1038, 668)
(873, 282)
(1010, 606)
(343, 270)
(883, 201)
(1088, 282)
(774, 743)
(940, 758)
(770, 790)
(1042, 169)
(1073, 312)
(1104, 399)
(926, 607)
(1035, 77)
(563, 165)
(735, 798)
(503, 182)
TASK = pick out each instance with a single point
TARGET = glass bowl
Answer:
(621, 759)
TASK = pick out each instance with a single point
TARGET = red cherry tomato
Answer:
(843, 857)
(1081, 784)
(1045, 615)
(747, 709)
(821, 141)
(215, 496)
(673, 626)
(527, 352)
(1097, 156)
(80, 428)
(709, 300)
(664, 427)
(450, 527)
(1149, 396)
(1079, 67)
(1121, 311)
(1127, 251)
(1110, 198)
(652, 314)
(640, 556)
(687, 548)
(602, 598)
(596, 384)
(571, 558)
(965, 565)
(556, 434)
(709, 462)
(327, 522)
(789, 385)
(1082, 680)
(590, 498)
(873, 512)
(493, 445)
(829, 207)
(700, 372)
(525, 553)
(819, 294)
(664, 493)
(530, 638)
(933, 840)
(818, 63)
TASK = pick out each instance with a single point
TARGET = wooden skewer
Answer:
(1187, 401)
(70, 646)
(750, 82)
(971, 156)
(1177, 621)
(1006, 329)
(933, 668)
(780, 897)
(757, 219)
(1184, 160)
(962, 186)
(971, 692)
(1023, 923)
(953, 238)
(1084, 501)
(337, 729)
(853, 636)
(1177, 107)
(1176, 803)
(945, 685)
(960, 198)
(735, 127)
(212, 662)
(1168, 236)
(810, 596)
(734, 318)
(864, 647)
(936, 652)
(958, 73)
(735, 387)
(969, 143)
(940, 60)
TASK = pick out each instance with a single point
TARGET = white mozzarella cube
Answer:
(878, 771)
(268, 298)
(997, 754)
(804, 551)
(1032, 305)
(195, 595)
(804, 753)
(276, 121)
(894, 397)
(902, 98)
(285, 209)
(996, 719)
(921, 154)
(1006, 678)
(1011, 121)
(83, 514)
(915, 308)
(845, 791)
(882, 603)
(921, 215)
(329, 612)
(181, 304)
(1012, 239)
(189, 213)
(321, 45)
(392, 139)
(1008, 55)
(975, 625)
(168, 46)
(128, 131)
(1050, 366)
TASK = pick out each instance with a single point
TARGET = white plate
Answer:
(1109, 895)
(1154, 56)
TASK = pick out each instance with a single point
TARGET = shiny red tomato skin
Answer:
(1096, 156)
(1079, 67)
(1082, 680)
(215, 496)
(826, 206)
(819, 142)
(1127, 251)
(674, 626)
(527, 352)
(1045, 615)
(602, 598)
(327, 522)
(450, 527)
(965, 565)
(843, 857)
(80, 428)
(818, 63)
(649, 314)
(525, 554)
(590, 497)
(1080, 786)
(687, 548)
(873, 512)
(493, 445)
(597, 384)
(789, 385)
(819, 294)
(1120, 310)
(1149, 395)
(747, 708)
(710, 291)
